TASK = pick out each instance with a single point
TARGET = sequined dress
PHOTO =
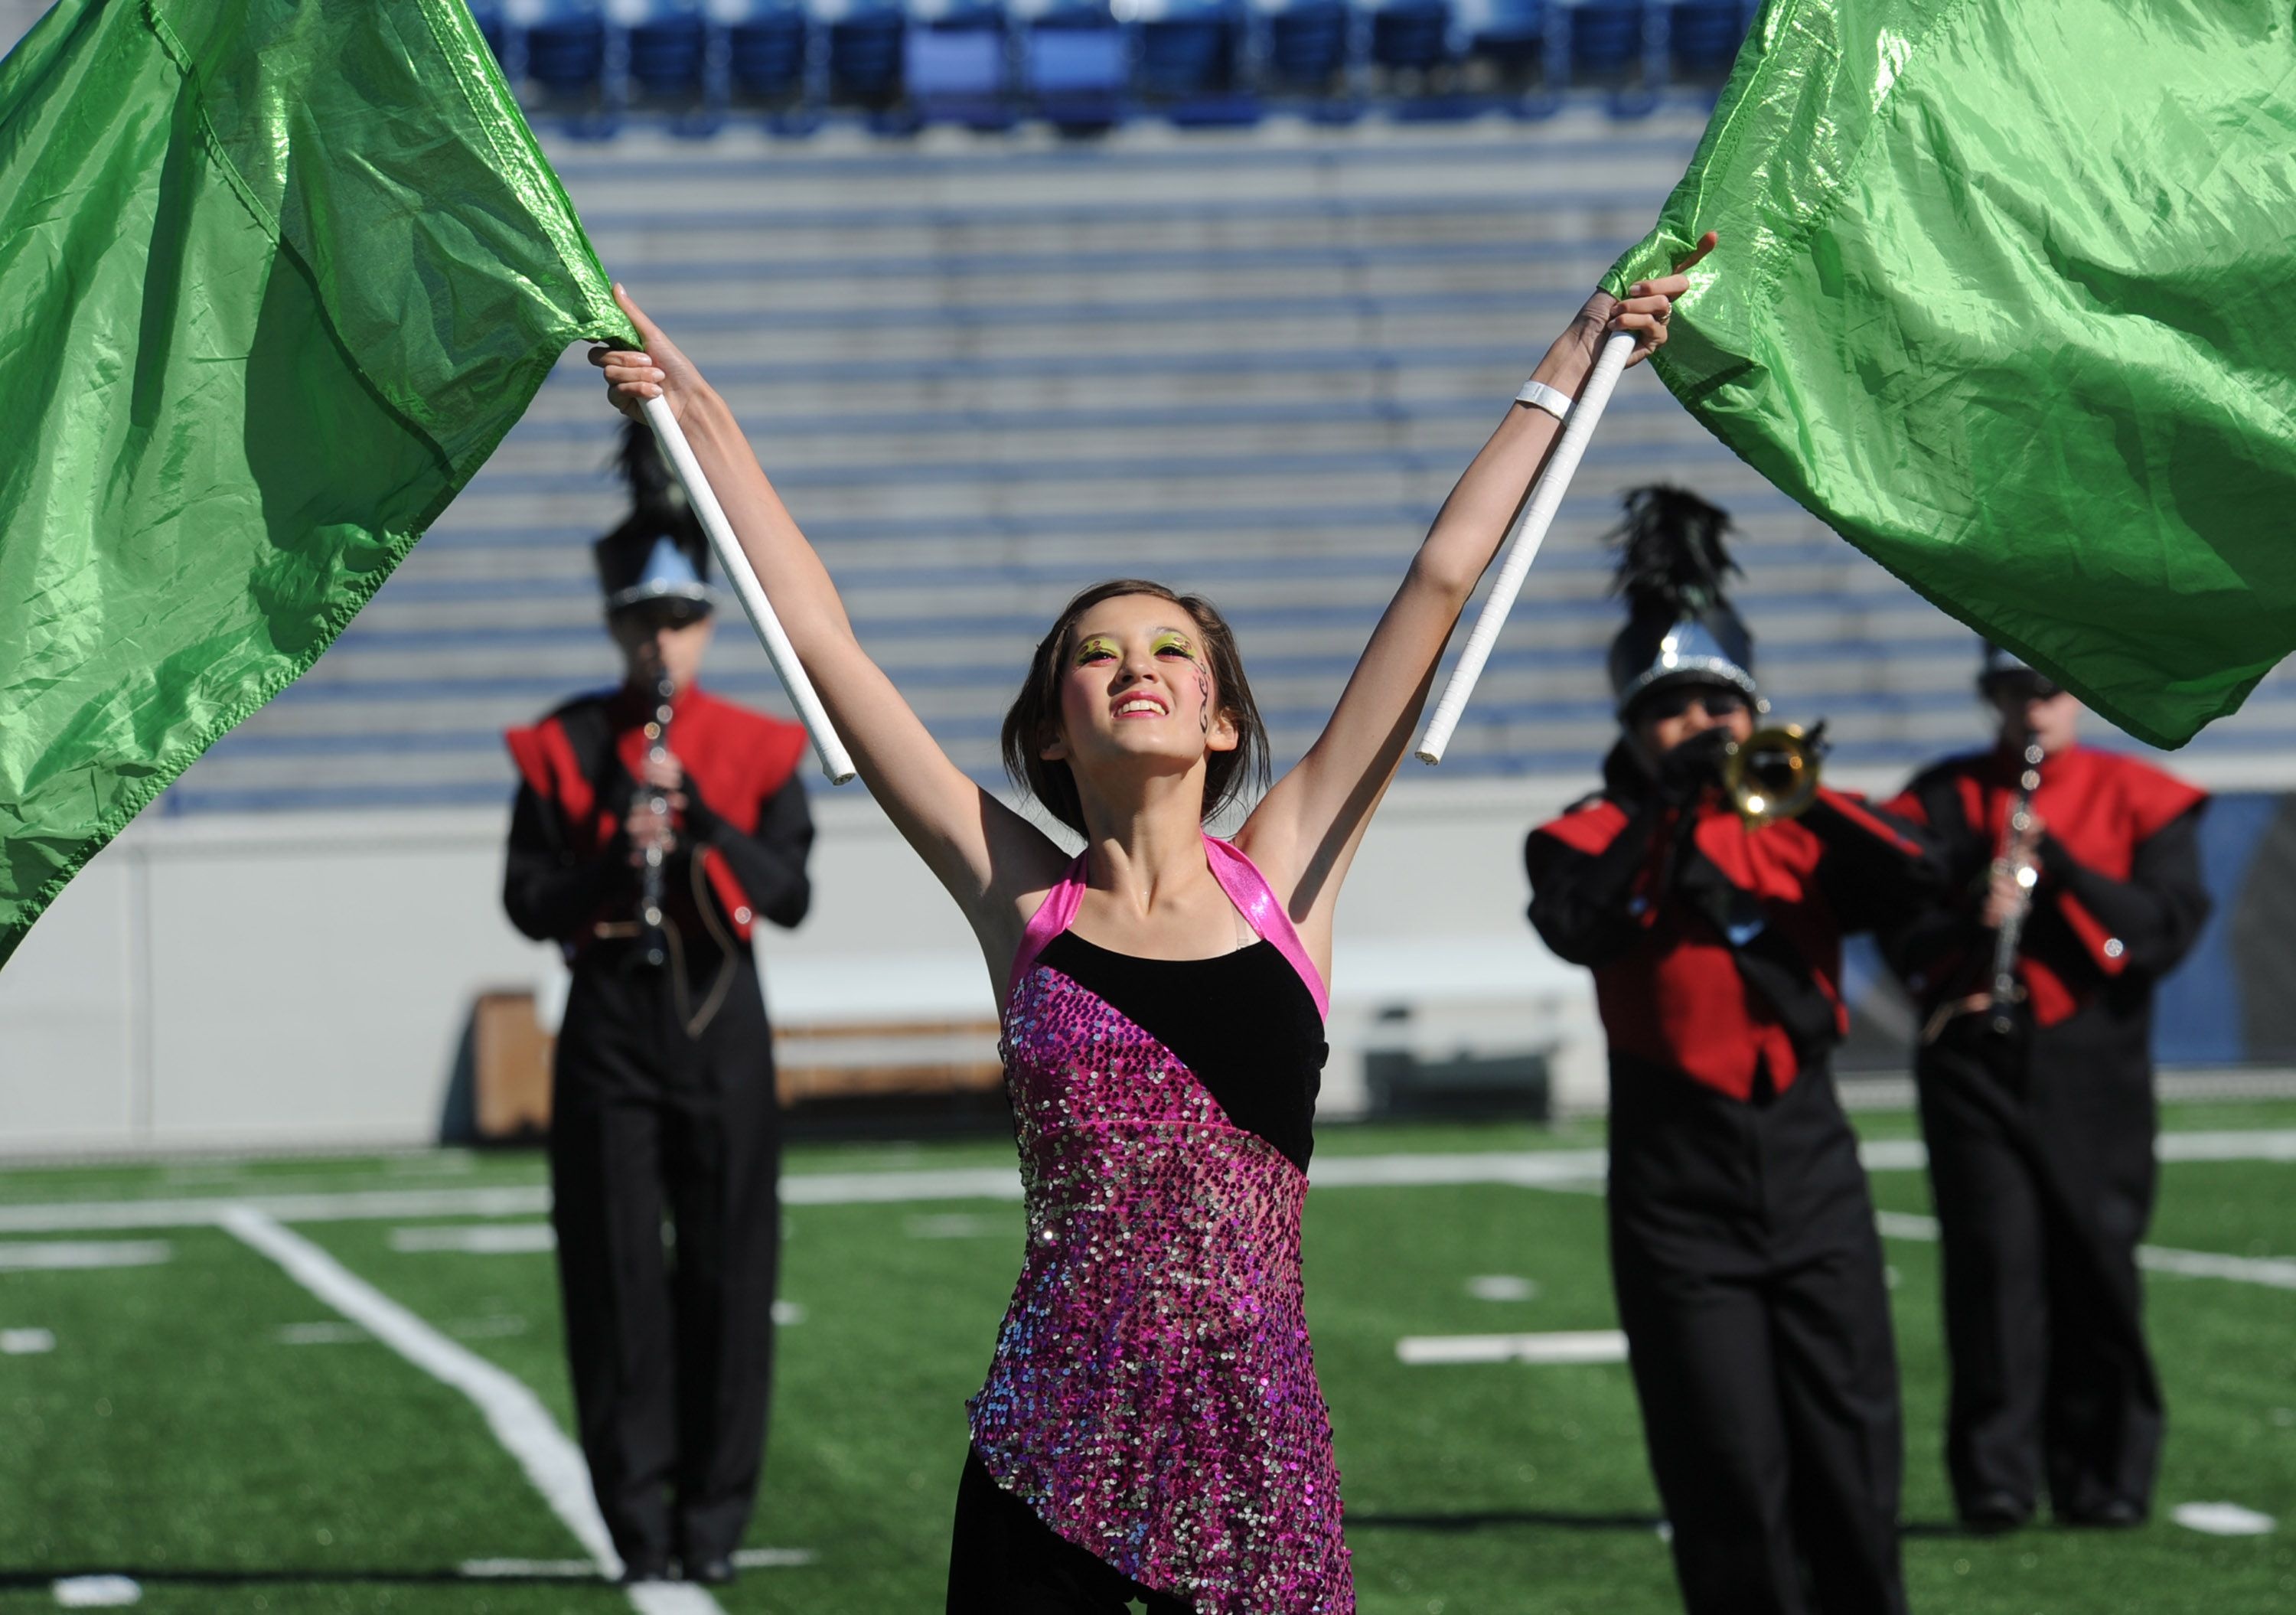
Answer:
(1152, 1396)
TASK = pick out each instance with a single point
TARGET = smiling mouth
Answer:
(1141, 706)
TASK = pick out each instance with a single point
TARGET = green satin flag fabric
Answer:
(2006, 295)
(275, 277)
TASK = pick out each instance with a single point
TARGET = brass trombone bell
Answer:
(1772, 773)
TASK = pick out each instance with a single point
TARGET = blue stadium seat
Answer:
(958, 67)
(1509, 34)
(1076, 62)
(668, 44)
(766, 52)
(1606, 40)
(1412, 36)
(1703, 36)
(1191, 60)
(865, 50)
(1308, 45)
(566, 49)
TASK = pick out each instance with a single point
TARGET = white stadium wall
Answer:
(292, 980)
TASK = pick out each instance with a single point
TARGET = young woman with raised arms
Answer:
(1150, 1428)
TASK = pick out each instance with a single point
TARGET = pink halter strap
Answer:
(1238, 876)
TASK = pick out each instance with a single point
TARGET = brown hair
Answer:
(1035, 715)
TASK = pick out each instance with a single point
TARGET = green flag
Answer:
(274, 279)
(2003, 296)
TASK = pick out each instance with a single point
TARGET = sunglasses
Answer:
(1673, 703)
(653, 616)
(2019, 687)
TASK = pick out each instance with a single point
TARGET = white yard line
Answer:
(1527, 1168)
(1566, 1345)
(477, 1238)
(520, 1422)
(54, 1256)
(2272, 1272)
(353, 1206)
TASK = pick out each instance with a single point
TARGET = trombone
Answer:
(1772, 773)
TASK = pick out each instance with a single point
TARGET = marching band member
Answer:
(1744, 1258)
(663, 1087)
(2037, 1103)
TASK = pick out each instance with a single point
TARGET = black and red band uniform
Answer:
(2041, 1140)
(1746, 1265)
(663, 1100)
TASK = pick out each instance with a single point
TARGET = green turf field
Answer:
(204, 1423)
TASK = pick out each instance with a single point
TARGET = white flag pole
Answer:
(1538, 514)
(743, 577)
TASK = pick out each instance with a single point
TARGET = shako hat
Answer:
(659, 552)
(1680, 626)
(1997, 667)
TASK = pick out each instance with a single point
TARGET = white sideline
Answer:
(520, 1422)
(2273, 1272)
(1527, 1168)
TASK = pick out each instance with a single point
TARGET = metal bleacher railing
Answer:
(985, 370)
(1083, 65)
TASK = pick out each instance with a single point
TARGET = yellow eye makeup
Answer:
(1099, 647)
(1170, 643)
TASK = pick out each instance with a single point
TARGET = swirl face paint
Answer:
(1171, 642)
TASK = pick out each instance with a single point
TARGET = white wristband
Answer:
(1539, 395)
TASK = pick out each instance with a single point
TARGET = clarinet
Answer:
(2012, 927)
(657, 946)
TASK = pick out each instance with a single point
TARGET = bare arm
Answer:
(993, 862)
(1304, 834)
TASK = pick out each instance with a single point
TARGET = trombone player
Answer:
(1708, 885)
(2074, 885)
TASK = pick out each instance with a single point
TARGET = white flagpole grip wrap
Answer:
(743, 577)
(1530, 525)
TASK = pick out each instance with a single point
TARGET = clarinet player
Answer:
(2034, 977)
(655, 826)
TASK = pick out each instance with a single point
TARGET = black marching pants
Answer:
(671, 1348)
(1004, 1560)
(1749, 1281)
(2042, 1171)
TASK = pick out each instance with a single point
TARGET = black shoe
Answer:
(2117, 1514)
(644, 1569)
(710, 1570)
(1994, 1513)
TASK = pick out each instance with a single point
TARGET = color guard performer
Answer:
(2036, 1096)
(655, 826)
(1748, 1272)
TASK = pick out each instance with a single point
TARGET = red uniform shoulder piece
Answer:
(1589, 826)
(736, 758)
(2100, 806)
(1677, 999)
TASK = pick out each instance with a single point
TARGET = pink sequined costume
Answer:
(1153, 1397)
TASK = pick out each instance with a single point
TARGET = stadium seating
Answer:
(985, 371)
(899, 65)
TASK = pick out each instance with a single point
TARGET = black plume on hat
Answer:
(1680, 625)
(1671, 556)
(632, 568)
